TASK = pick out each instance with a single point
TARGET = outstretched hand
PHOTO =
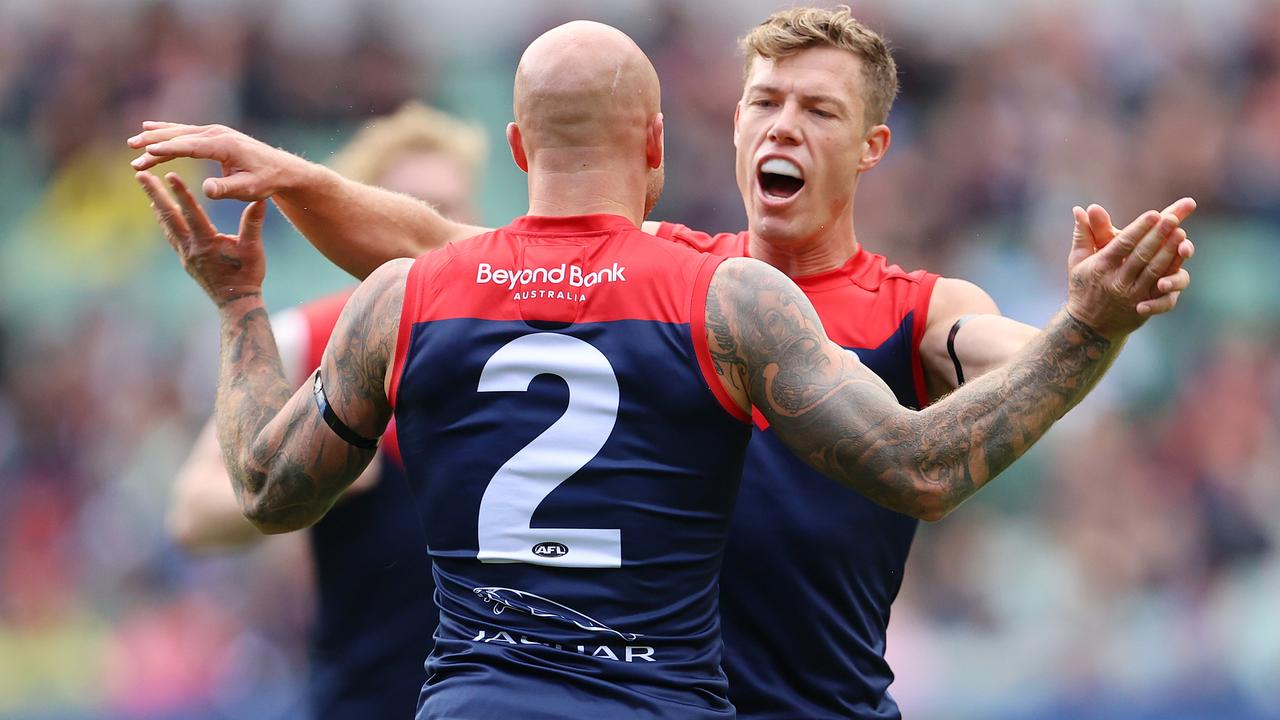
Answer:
(1135, 273)
(1093, 230)
(227, 267)
(251, 169)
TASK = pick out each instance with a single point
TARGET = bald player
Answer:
(575, 508)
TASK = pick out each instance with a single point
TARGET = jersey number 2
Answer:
(521, 484)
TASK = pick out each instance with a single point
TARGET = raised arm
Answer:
(286, 462)
(770, 350)
(358, 227)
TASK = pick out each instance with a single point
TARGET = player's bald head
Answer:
(584, 84)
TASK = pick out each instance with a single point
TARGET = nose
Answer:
(785, 130)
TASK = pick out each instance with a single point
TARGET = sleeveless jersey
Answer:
(575, 460)
(375, 617)
(811, 566)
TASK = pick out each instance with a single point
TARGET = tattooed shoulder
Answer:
(362, 347)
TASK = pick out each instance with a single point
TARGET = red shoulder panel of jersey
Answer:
(581, 269)
(727, 244)
(321, 316)
(861, 303)
(866, 300)
(590, 268)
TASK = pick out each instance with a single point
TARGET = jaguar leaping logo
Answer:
(540, 607)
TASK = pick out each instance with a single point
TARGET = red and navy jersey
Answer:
(811, 567)
(575, 460)
(375, 615)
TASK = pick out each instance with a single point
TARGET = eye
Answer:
(822, 113)
(763, 102)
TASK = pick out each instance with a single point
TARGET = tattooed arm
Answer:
(286, 465)
(770, 349)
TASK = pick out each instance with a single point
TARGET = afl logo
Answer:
(550, 549)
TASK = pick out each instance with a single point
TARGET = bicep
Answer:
(983, 340)
(768, 340)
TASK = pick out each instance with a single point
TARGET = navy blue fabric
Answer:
(376, 616)
(810, 571)
(667, 477)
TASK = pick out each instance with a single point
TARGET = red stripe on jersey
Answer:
(924, 294)
(409, 309)
(698, 328)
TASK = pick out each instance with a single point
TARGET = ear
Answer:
(516, 142)
(737, 110)
(874, 146)
(653, 147)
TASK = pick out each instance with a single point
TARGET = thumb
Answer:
(251, 222)
(1100, 220)
(1082, 240)
(238, 186)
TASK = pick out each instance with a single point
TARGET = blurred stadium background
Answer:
(1126, 569)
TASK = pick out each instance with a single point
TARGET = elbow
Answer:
(931, 510)
(271, 511)
(270, 520)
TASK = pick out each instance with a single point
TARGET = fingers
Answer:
(170, 217)
(1151, 257)
(195, 215)
(251, 222)
(154, 132)
(1160, 305)
(1124, 243)
(1176, 282)
(146, 161)
(1181, 208)
(193, 146)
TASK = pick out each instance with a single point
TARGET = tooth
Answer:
(779, 166)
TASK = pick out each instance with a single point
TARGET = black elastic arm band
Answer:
(951, 347)
(335, 423)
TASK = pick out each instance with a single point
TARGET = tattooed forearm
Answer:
(286, 466)
(834, 414)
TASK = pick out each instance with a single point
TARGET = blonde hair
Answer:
(412, 128)
(787, 32)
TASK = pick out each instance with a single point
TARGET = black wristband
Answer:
(951, 347)
(351, 437)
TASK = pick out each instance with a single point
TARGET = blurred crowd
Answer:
(1128, 568)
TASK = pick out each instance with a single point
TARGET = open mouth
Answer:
(780, 179)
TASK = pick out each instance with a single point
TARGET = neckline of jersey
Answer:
(596, 223)
(827, 279)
